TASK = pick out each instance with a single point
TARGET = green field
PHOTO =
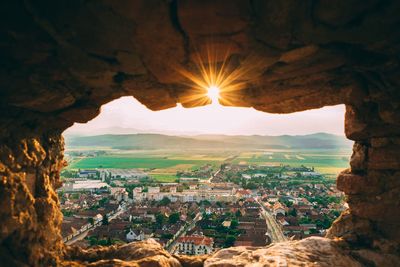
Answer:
(127, 162)
(163, 165)
(324, 161)
(164, 178)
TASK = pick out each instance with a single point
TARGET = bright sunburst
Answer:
(213, 93)
(214, 79)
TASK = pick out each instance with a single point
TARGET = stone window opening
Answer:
(61, 62)
(338, 232)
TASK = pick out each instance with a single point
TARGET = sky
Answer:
(127, 115)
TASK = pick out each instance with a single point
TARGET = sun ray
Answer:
(214, 79)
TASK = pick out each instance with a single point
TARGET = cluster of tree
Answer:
(161, 219)
(212, 224)
(69, 174)
(324, 200)
(94, 241)
(164, 202)
(102, 202)
(205, 203)
(286, 202)
(105, 220)
(67, 213)
(323, 223)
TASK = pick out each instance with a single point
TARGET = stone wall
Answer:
(30, 214)
(372, 183)
(62, 60)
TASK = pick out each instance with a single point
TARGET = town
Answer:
(202, 211)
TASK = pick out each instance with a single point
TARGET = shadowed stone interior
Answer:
(62, 60)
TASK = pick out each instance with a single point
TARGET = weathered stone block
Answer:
(358, 160)
(351, 228)
(358, 184)
(384, 158)
(370, 183)
(382, 207)
(354, 125)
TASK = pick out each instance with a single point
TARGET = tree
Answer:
(234, 224)
(160, 218)
(167, 236)
(335, 213)
(293, 212)
(164, 202)
(91, 221)
(174, 218)
(238, 213)
(93, 241)
(305, 220)
(105, 220)
(288, 203)
(192, 215)
(205, 203)
(67, 213)
(250, 185)
(103, 201)
(229, 240)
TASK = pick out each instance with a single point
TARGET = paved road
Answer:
(230, 159)
(84, 234)
(172, 247)
(212, 176)
(273, 227)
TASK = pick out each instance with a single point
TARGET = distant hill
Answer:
(237, 142)
(81, 131)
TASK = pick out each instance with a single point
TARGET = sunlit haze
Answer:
(127, 115)
(213, 94)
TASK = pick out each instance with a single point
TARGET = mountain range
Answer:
(144, 141)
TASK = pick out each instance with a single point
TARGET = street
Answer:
(171, 247)
(83, 234)
(273, 228)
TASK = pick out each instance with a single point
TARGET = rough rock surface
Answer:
(313, 251)
(145, 253)
(30, 215)
(62, 60)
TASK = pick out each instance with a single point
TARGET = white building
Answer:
(138, 195)
(86, 185)
(119, 193)
(195, 245)
(246, 176)
(260, 175)
(310, 174)
(135, 235)
(153, 189)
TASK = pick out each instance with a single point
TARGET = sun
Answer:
(218, 79)
(213, 93)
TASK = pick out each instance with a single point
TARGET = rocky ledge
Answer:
(313, 251)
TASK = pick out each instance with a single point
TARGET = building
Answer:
(87, 174)
(138, 195)
(119, 193)
(244, 193)
(279, 208)
(195, 245)
(85, 186)
(131, 174)
(135, 235)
